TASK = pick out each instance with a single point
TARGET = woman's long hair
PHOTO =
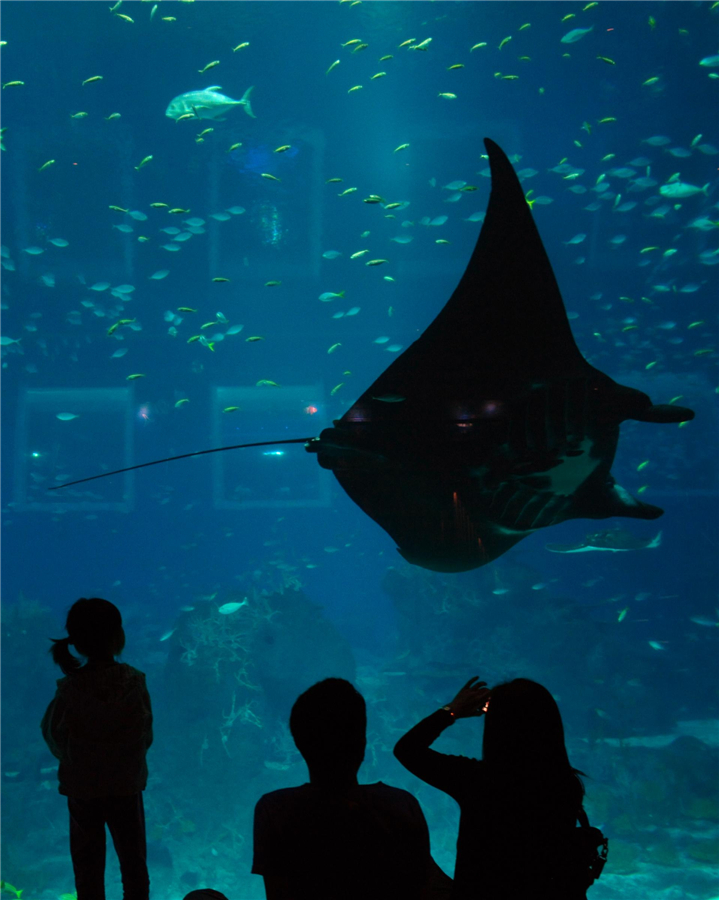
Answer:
(523, 732)
(94, 628)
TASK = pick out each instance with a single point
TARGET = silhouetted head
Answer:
(329, 723)
(204, 894)
(94, 628)
(523, 730)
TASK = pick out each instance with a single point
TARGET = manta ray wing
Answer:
(492, 424)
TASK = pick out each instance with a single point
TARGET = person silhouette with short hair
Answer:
(518, 805)
(99, 725)
(336, 839)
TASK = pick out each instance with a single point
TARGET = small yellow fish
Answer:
(504, 41)
(46, 165)
(606, 59)
(336, 388)
(335, 63)
(622, 614)
(78, 115)
(220, 280)
(406, 43)
(401, 147)
(447, 95)
(392, 205)
(477, 46)
(455, 66)
(208, 325)
(568, 17)
(230, 409)
(195, 337)
(376, 262)
(334, 347)
(144, 162)
(373, 198)
(378, 75)
(703, 352)
(117, 209)
(334, 181)
(112, 116)
(650, 81)
(270, 177)
(678, 397)
(93, 78)
(283, 148)
(590, 5)
(358, 254)
(349, 43)
(273, 283)
(357, 87)
(648, 249)
(608, 157)
(235, 147)
(12, 84)
(525, 26)
(254, 339)
(169, 19)
(696, 324)
(241, 46)
(438, 241)
(185, 116)
(642, 465)
(181, 402)
(210, 65)
(347, 191)
(125, 18)
(510, 77)
(359, 47)
(265, 381)
(384, 58)
(185, 309)
(158, 205)
(653, 22)
(133, 377)
(206, 131)
(142, 239)
(178, 211)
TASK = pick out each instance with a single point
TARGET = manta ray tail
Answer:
(156, 462)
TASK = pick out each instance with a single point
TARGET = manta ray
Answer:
(491, 425)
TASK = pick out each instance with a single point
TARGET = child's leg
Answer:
(87, 847)
(126, 821)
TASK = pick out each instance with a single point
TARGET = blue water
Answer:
(638, 696)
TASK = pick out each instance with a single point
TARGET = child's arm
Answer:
(54, 727)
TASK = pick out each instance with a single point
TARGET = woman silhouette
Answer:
(518, 804)
(99, 725)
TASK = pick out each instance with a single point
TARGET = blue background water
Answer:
(178, 533)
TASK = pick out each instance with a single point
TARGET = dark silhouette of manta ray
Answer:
(492, 424)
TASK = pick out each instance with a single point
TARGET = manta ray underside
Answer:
(492, 424)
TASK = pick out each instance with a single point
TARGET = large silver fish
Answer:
(207, 104)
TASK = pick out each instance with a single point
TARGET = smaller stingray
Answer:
(616, 541)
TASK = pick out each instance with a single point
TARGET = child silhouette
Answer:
(99, 725)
